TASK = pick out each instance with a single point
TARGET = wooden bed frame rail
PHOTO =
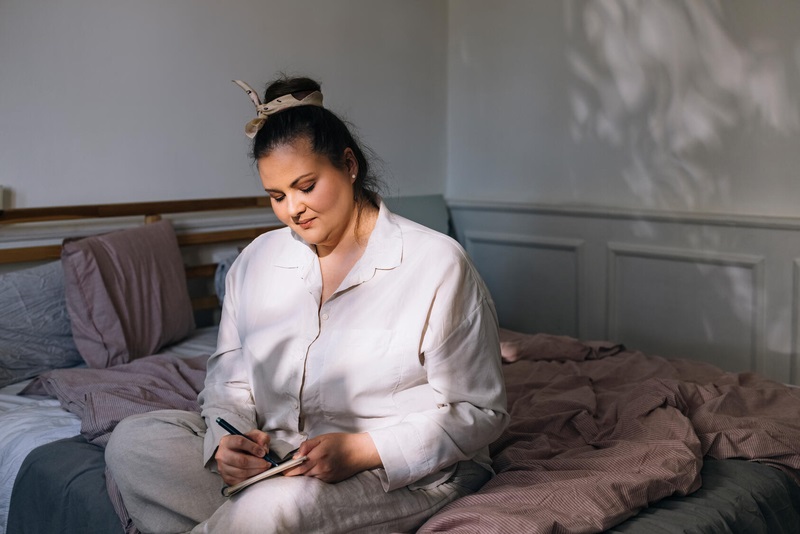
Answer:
(150, 212)
(90, 211)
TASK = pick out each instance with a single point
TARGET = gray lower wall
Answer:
(722, 289)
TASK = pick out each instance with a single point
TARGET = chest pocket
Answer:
(361, 370)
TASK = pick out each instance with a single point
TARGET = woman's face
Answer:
(309, 194)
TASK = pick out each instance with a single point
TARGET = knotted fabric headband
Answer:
(273, 106)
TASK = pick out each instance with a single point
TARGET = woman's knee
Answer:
(132, 439)
(124, 438)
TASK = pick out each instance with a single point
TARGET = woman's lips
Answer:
(305, 224)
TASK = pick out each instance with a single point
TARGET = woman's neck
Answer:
(336, 262)
(355, 237)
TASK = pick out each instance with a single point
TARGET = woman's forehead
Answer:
(299, 147)
(289, 154)
(286, 163)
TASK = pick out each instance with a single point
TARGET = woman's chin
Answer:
(310, 235)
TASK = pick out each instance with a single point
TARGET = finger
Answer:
(260, 437)
(233, 475)
(242, 461)
(300, 469)
(243, 445)
(233, 459)
(227, 470)
(233, 464)
(306, 447)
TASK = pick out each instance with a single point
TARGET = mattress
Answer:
(26, 423)
(74, 499)
(736, 496)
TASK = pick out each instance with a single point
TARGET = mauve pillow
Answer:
(126, 293)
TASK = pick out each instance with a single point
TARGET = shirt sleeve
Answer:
(227, 392)
(465, 374)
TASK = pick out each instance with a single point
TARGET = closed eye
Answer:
(278, 197)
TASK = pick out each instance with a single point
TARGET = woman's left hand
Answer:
(336, 456)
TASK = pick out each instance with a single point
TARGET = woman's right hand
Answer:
(239, 458)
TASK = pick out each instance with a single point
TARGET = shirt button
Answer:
(324, 316)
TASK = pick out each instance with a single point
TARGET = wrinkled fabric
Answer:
(103, 397)
(223, 266)
(126, 293)
(35, 333)
(593, 441)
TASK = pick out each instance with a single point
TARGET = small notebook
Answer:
(228, 491)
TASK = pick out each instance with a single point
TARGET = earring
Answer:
(353, 176)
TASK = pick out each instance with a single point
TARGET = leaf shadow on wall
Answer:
(666, 84)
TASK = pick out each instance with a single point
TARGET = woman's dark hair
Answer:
(328, 135)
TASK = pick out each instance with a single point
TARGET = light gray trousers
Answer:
(156, 461)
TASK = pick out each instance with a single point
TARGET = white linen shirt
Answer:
(406, 349)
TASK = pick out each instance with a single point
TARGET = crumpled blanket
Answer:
(103, 397)
(595, 436)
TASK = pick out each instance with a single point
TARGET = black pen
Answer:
(230, 429)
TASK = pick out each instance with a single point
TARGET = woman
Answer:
(366, 340)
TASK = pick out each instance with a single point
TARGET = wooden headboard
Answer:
(21, 240)
(138, 213)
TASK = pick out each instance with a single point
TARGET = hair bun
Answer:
(299, 87)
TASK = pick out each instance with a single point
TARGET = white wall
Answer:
(553, 101)
(118, 101)
(629, 170)
(689, 105)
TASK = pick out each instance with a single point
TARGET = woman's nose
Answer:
(295, 205)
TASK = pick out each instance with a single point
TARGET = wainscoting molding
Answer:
(721, 288)
(489, 249)
(749, 323)
(795, 362)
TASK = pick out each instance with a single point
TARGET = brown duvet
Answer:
(598, 433)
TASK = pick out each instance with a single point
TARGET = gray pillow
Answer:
(126, 294)
(221, 272)
(35, 333)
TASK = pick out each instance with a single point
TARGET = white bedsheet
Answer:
(27, 422)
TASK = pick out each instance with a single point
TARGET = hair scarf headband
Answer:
(273, 106)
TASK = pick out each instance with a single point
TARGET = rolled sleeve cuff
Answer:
(399, 448)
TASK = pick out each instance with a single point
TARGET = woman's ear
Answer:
(351, 163)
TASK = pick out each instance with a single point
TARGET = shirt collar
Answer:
(384, 249)
(296, 253)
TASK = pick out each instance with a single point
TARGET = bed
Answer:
(602, 438)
